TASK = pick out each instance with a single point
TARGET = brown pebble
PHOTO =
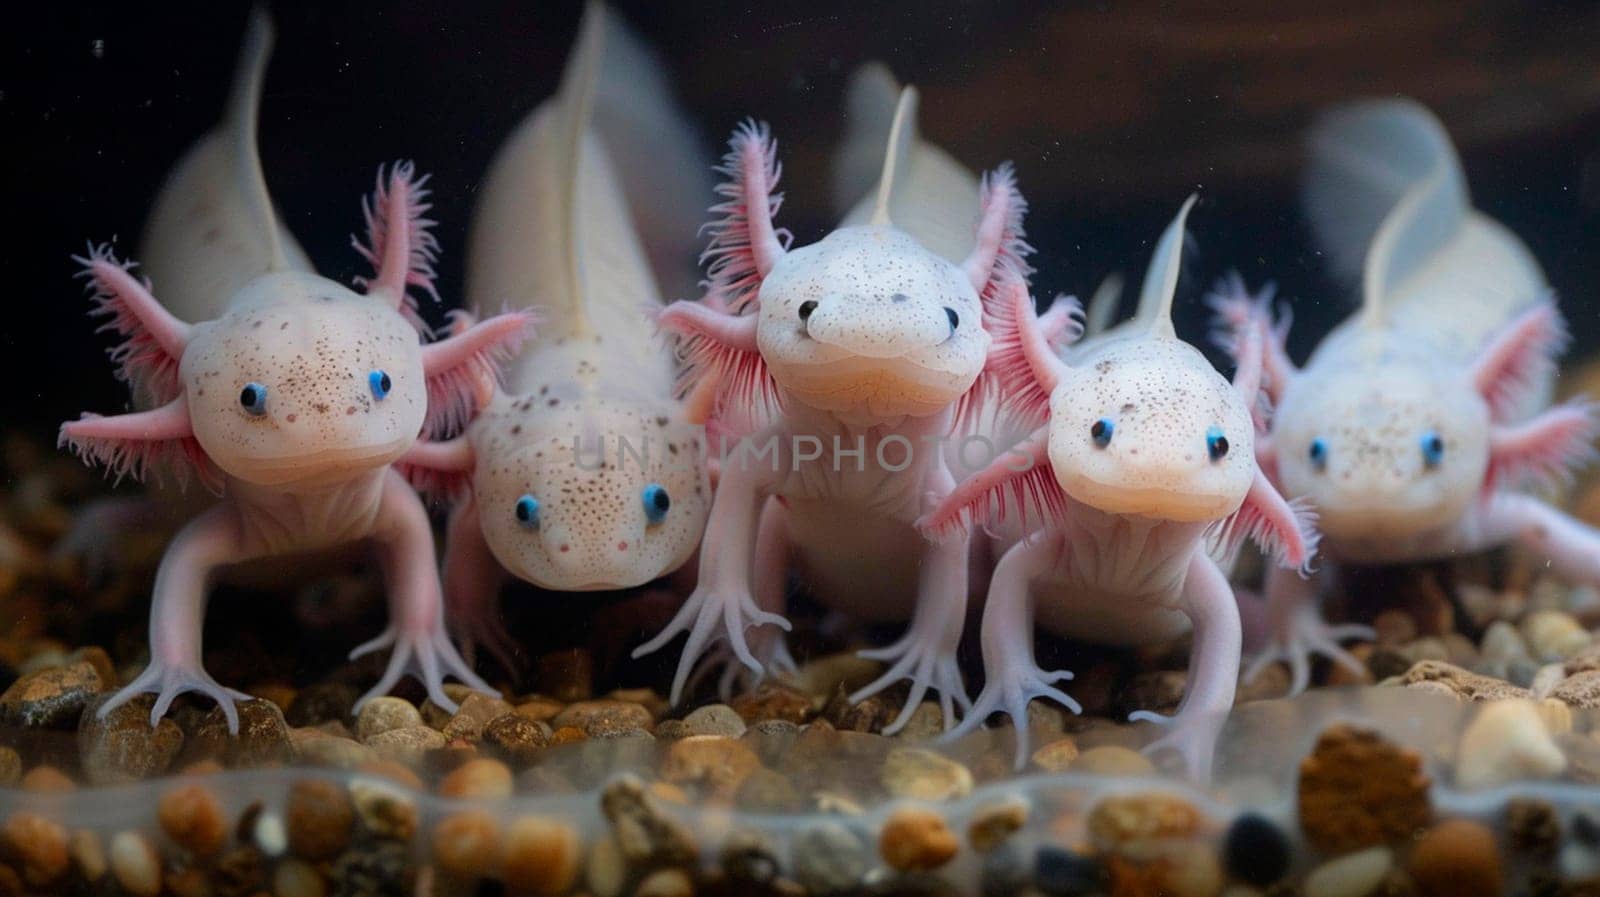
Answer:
(242, 870)
(1358, 790)
(88, 854)
(916, 840)
(1464, 683)
(516, 738)
(774, 702)
(407, 744)
(604, 717)
(123, 747)
(297, 878)
(540, 709)
(192, 817)
(567, 735)
(643, 832)
(467, 843)
(718, 762)
(135, 864)
(1122, 819)
(383, 714)
(475, 712)
(1056, 756)
(993, 823)
(385, 810)
(38, 846)
(262, 739)
(1457, 858)
(1113, 760)
(320, 818)
(51, 698)
(47, 780)
(540, 856)
(479, 778)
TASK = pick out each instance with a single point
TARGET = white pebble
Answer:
(1352, 875)
(1507, 741)
(135, 864)
(270, 835)
(1502, 643)
(1554, 635)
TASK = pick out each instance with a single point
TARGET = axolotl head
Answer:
(589, 494)
(304, 381)
(1388, 448)
(1147, 426)
(868, 321)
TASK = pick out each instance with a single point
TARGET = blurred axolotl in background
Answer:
(290, 397)
(1416, 423)
(1142, 456)
(838, 368)
(584, 474)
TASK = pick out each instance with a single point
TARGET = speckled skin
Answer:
(291, 402)
(864, 340)
(1455, 339)
(1145, 452)
(587, 421)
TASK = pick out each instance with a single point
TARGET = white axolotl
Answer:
(291, 397)
(856, 351)
(584, 474)
(1412, 426)
(1143, 456)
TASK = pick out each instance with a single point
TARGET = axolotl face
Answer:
(869, 323)
(1384, 451)
(1148, 427)
(304, 381)
(591, 494)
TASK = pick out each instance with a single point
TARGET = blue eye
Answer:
(254, 398)
(528, 512)
(656, 503)
(1432, 449)
(1216, 443)
(1319, 454)
(1101, 432)
(380, 383)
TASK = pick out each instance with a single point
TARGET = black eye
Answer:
(1101, 432)
(955, 319)
(254, 398)
(806, 308)
(1432, 449)
(1318, 453)
(1216, 444)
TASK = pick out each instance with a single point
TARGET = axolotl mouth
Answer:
(316, 466)
(1159, 502)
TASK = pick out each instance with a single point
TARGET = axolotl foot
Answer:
(167, 682)
(1009, 689)
(930, 666)
(426, 653)
(700, 617)
(770, 649)
(1192, 736)
(1302, 634)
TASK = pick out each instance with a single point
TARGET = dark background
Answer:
(1112, 113)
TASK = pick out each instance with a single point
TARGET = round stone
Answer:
(1256, 850)
(541, 856)
(1458, 858)
(916, 840)
(383, 714)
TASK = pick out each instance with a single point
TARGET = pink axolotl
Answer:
(1412, 426)
(1142, 459)
(854, 353)
(291, 401)
(584, 474)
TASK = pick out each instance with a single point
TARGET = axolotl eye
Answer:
(380, 383)
(1101, 431)
(253, 398)
(527, 512)
(1318, 453)
(656, 503)
(1432, 449)
(1216, 444)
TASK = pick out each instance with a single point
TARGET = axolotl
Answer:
(291, 402)
(1414, 424)
(839, 366)
(584, 474)
(1142, 460)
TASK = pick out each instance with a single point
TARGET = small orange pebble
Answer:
(394, 771)
(38, 845)
(192, 817)
(540, 856)
(540, 709)
(480, 778)
(917, 840)
(47, 779)
(567, 735)
(467, 843)
(206, 767)
(320, 818)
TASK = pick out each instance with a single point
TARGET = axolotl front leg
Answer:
(926, 654)
(416, 605)
(723, 597)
